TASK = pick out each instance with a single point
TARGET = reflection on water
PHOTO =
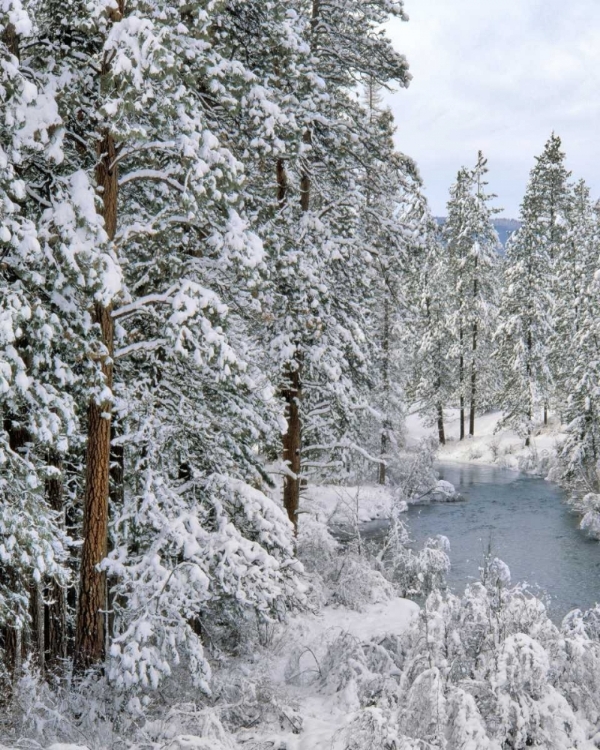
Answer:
(529, 527)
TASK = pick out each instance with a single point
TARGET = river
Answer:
(530, 528)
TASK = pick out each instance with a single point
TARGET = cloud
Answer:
(498, 77)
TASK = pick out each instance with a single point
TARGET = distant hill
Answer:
(504, 227)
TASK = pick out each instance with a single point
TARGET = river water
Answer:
(530, 528)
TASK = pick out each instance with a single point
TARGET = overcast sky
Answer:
(499, 76)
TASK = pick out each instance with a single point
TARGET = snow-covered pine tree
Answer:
(574, 269)
(472, 257)
(387, 229)
(458, 244)
(149, 97)
(368, 181)
(53, 259)
(577, 315)
(525, 333)
(310, 222)
(482, 274)
(426, 331)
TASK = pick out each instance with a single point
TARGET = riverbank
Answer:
(492, 447)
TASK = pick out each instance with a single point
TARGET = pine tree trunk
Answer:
(461, 372)
(292, 444)
(440, 425)
(35, 642)
(473, 384)
(546, 414)
(117, 499)
(474, 344)
(56, 595)
(292, 391)
(305, 177)
(90, 629)
(282, 183)
(386, 391)
(18, 437)
(530, 404)
(11, 39)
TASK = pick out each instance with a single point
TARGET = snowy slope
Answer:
(324, 713)
(491, 447)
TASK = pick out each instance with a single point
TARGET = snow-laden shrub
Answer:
(89, 715)
(374, 728)
(466, 729)
(433, 564)
(365, 672)
(424, 706)
(316, 547)
(487, 670)
(342, 574)
(186, 727)
(412, 472)
(590, 507)
(413, 573)
(357, 583)
(203, 561)
(319, 553)
(524, 683)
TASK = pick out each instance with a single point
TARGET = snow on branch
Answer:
(150, 299)
(154, 175)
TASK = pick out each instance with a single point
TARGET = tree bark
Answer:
(461, 371)
(12, 637)
(282, 183)
(473, 384)
(56, 595)
(474, 349)
(530, 404)
(35, 642)
(305, 183)
(292, 444)
(292, 390)
(386, 391)
(440, 425)
(11, 40)
(90, 628)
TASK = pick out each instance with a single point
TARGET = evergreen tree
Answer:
(577, 328)
(482, 274)
(54, 258)
(154, 141)
(472, 259)
(574, 268)
(526, 329)
(426, 327)
(311, 224)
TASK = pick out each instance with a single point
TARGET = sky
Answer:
(500, 77)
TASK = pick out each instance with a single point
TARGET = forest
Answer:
(222, 288)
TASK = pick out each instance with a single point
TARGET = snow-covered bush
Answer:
(519, 677)
(206, 561)
(374, 728)
(589, 506)
(483, 671)
(413, 573)
(342, 574)
(357, 583)
(413, 472)
(358, 573)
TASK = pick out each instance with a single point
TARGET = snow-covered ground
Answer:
(323, 712)
(346, 505)
(489, 446)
